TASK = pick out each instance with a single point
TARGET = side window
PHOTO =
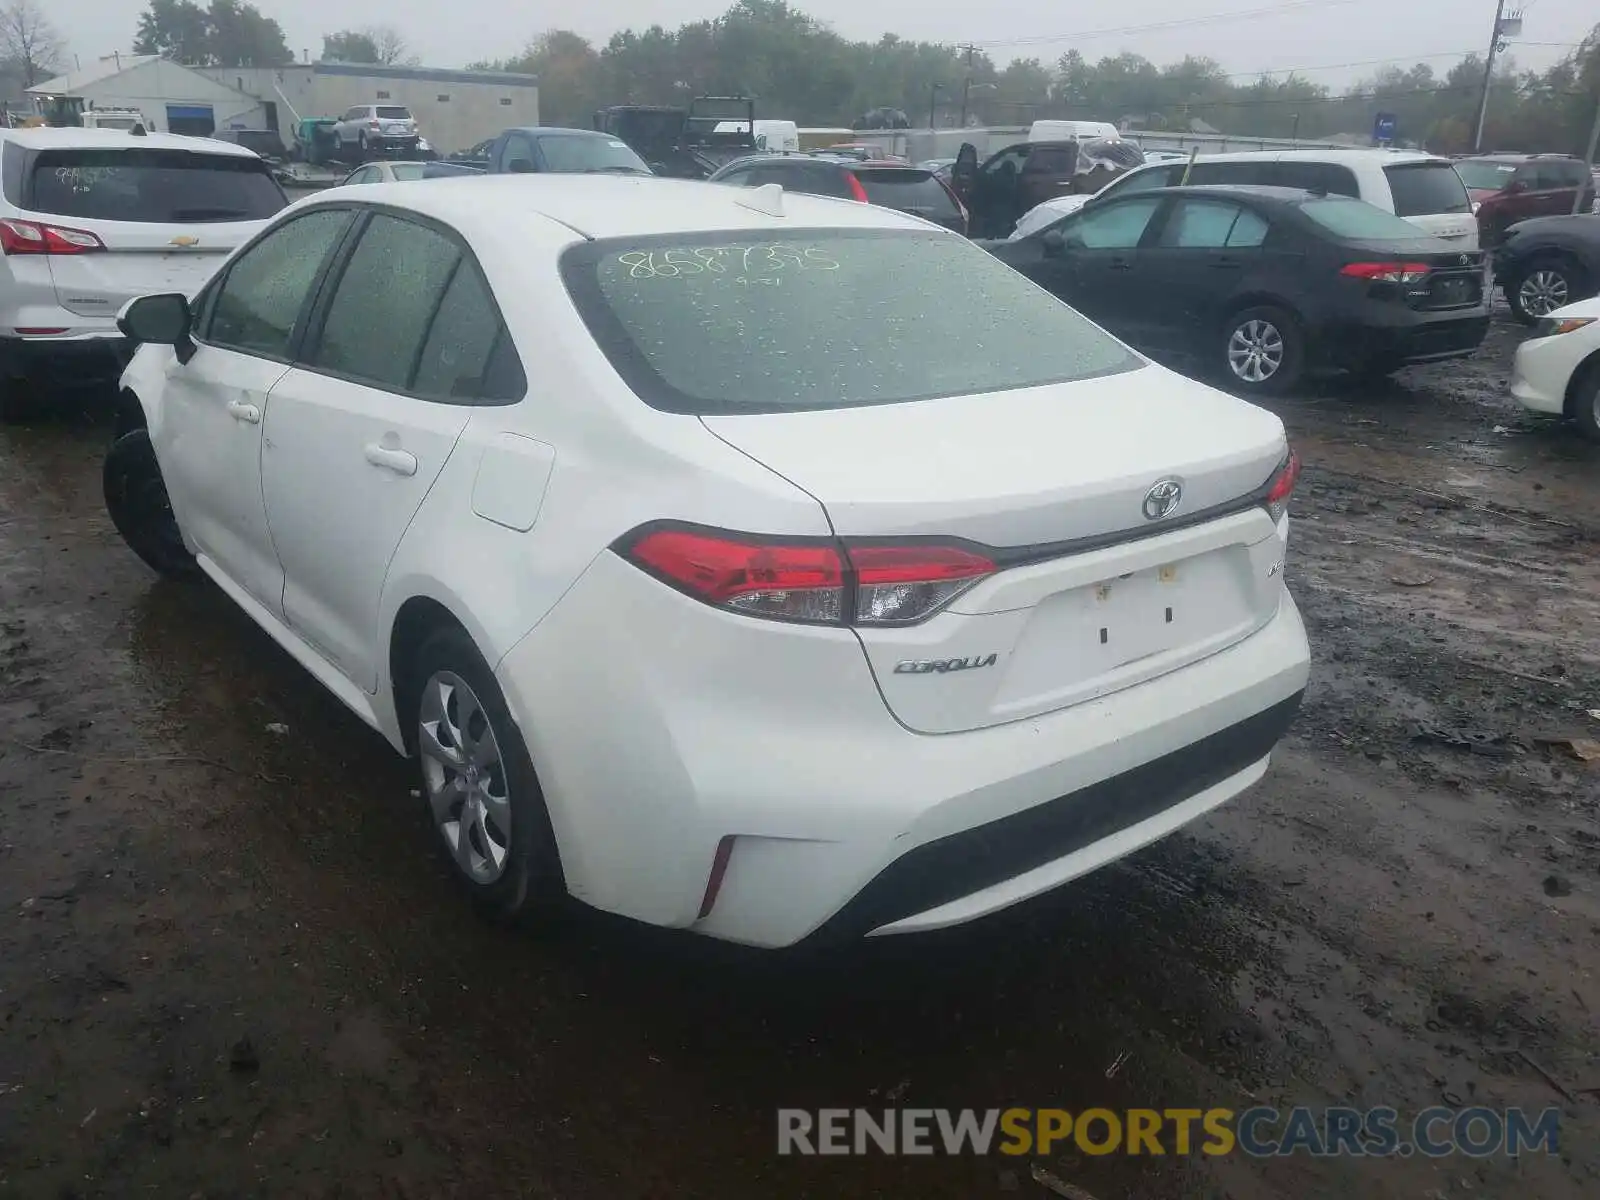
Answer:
(353, 114)
(738, 178)
(364, 175)
(1051, 160)
(1199, 225)
(1144, 181)
(468, 354)
(1007, 162)
(1243, 173)
(1117, 226)
(266, 288)
(1316, 177)
(1527, 175)
(1249, 231)
(517, 146)
(384, 303)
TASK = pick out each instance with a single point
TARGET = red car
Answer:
(1513, 187)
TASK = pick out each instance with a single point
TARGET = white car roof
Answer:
(118, 139)
(1354, 157)
(599, 206)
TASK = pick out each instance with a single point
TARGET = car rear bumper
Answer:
(662, 729)
(1412, 337)
(69, 360)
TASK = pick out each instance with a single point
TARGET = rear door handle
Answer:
(1225, 264)
(1121, 264)
(398, 461)
(240, 411)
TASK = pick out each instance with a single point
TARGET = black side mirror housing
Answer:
(160, 320)
(520, 166)
(1054, 242)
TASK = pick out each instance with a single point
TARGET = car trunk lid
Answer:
(1065, 488)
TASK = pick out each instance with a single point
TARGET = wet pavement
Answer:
(231, 965)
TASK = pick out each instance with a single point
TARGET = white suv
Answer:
(723, 567)
(377, 129)
(1422, 189)
(90, 219)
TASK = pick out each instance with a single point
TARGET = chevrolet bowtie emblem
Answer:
(185, 241)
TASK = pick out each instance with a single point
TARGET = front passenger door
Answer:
(1100, 266)
(208, 437)
(359, 430)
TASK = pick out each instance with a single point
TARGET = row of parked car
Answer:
(732, 558)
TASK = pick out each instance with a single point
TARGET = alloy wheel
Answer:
(1543, 291)
(465, 777)
(1256, 351)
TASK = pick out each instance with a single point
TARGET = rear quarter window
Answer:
(1329, 178)
(1427, 189)
(151, 186)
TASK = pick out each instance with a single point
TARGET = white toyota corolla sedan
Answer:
(761, 564)
(1557, 370)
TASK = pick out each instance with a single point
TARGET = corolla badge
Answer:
(1162, 500)
(943, 666)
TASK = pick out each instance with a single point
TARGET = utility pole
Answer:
(933, 101)
(969, 51)
(1488, 75)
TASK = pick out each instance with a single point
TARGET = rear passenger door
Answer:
(404, 341)
(1204, 250)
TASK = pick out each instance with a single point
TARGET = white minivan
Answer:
(1423, 189)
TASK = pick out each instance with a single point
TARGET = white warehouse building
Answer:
(454, 109)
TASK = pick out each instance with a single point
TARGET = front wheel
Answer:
(1263, 351)
(136, 499)
(1586, 404)
(479, 785)
(1541, 288)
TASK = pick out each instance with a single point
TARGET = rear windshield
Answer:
(157, 186)
(1485, 175)
(1360, 220)
(915, 192)
(393, 112)
(1426, 189)
(590, 154)
(740, 323)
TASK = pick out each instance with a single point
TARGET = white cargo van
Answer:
(774, 137)
(1071, 131)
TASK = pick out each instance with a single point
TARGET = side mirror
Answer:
(1054, 243)
(521, 166)
(159, 320)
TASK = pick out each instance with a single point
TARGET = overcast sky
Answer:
(1307, 34)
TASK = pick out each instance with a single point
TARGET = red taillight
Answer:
(857, 192)
(1282, 486)
(814, 581)
(373, 125)
(32, 237)
(1387, 272)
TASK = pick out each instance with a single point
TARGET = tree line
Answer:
(798, 68)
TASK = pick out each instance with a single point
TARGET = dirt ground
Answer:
(231, 966)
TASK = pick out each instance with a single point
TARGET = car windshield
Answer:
(393, 112)
(742, 323)
(564, 153)
(1485, 175)
(152, 186)
(1426, 189)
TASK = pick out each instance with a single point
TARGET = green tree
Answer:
(30, 42)
(228, 33)
(381, 44)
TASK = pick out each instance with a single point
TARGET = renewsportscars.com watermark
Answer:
(1257, 1132)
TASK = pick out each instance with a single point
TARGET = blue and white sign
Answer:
(1383, 127)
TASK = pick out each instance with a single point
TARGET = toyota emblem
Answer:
(1162, 500)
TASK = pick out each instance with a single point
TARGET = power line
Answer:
(1176, 23)
(1351, 97)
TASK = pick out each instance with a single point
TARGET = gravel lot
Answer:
(231, 966)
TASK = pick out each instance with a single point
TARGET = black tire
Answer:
(1586, 403)
(361, 147)
(136, 499)
(529, 886)
(1533, 291)
(1276, 328)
